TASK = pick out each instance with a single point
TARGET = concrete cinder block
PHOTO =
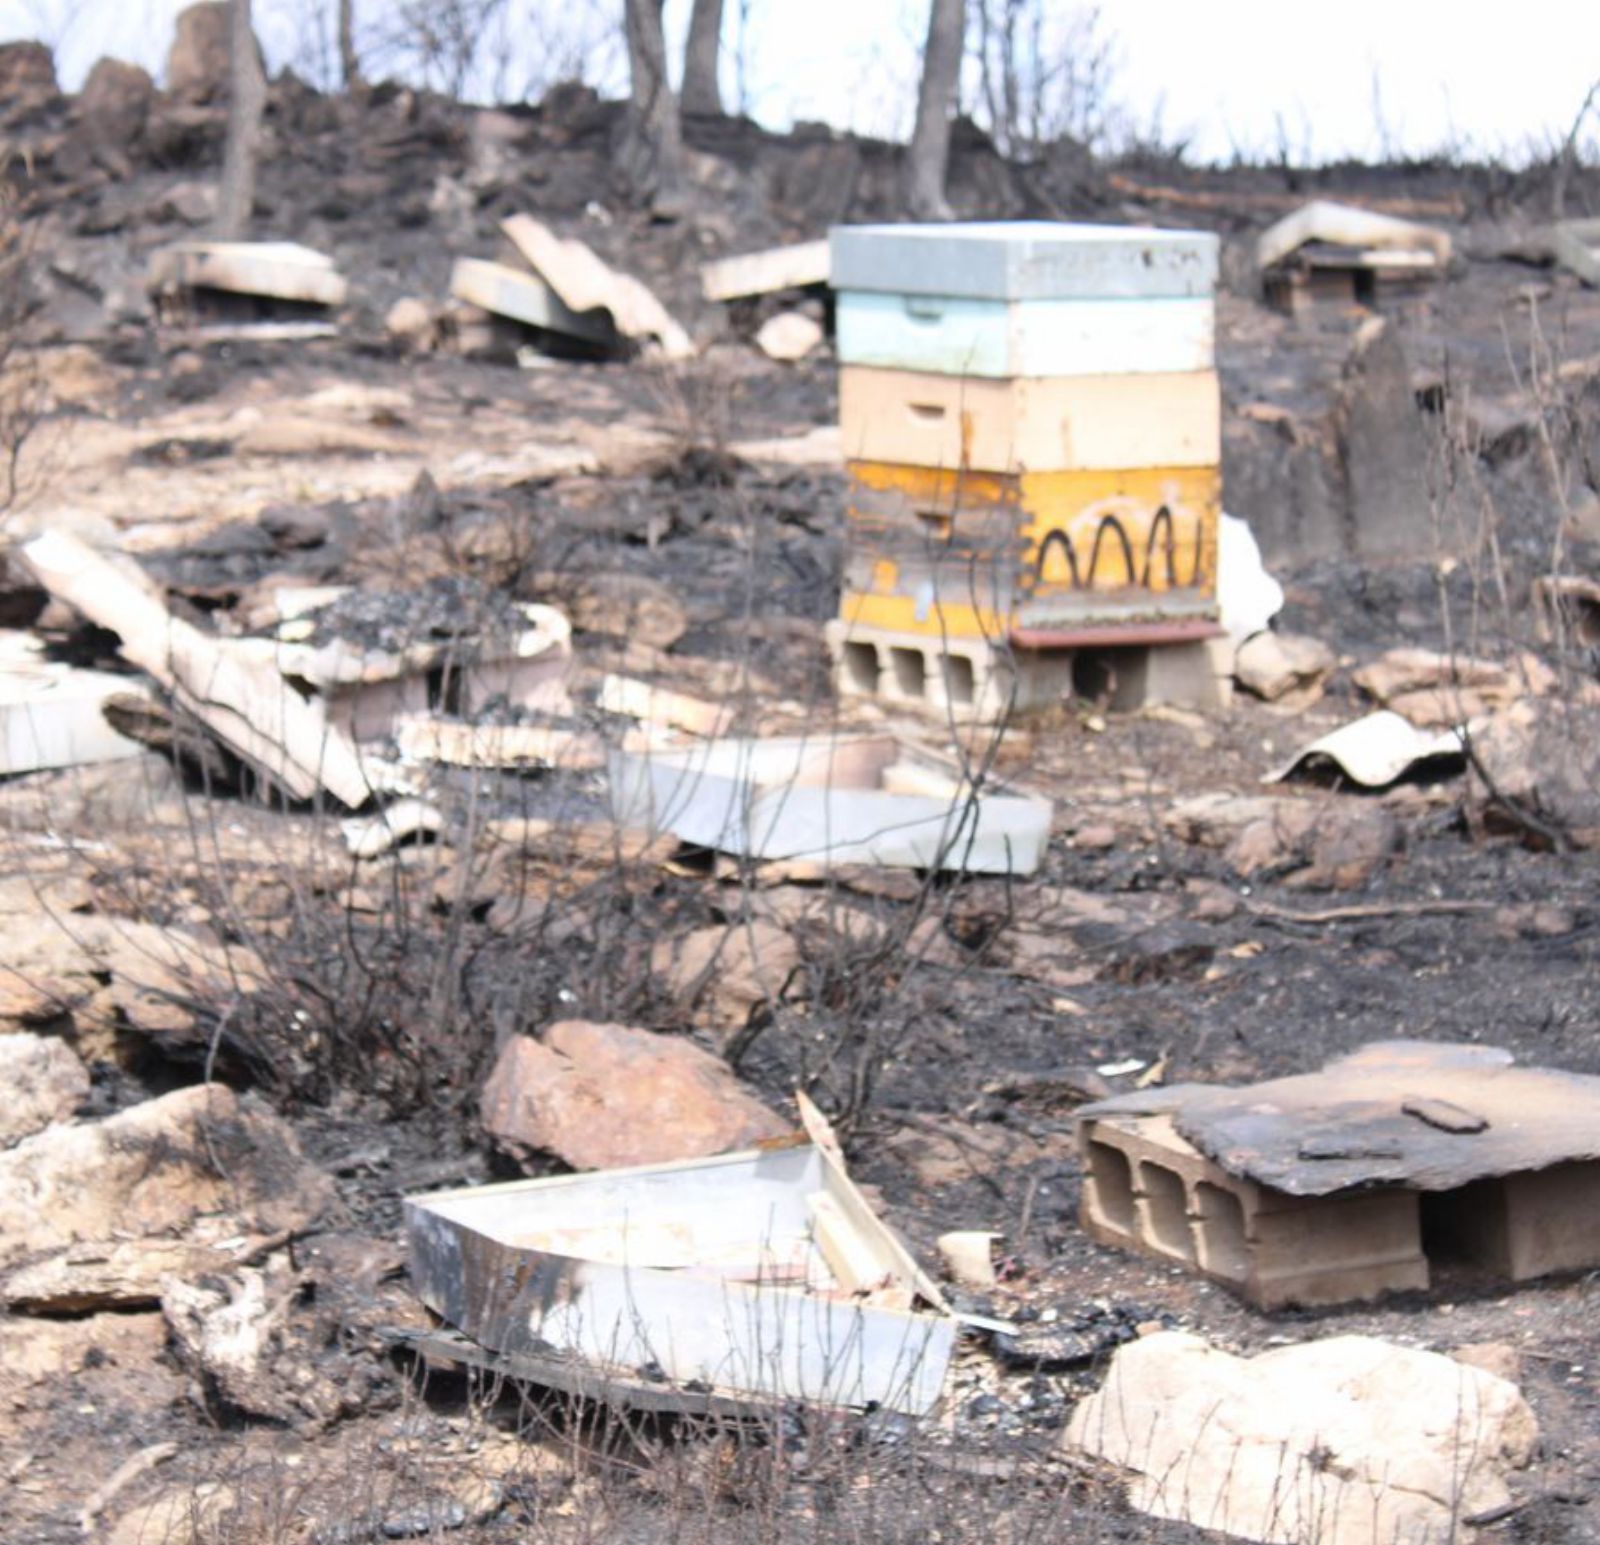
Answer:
(1051, 424)
(1185, 675)
(969, 680)
(1147, 1189)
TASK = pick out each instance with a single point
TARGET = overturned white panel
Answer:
(799, 267)
(507, 292)
(1343, 225)
(51, 714)
(1376, 749)
(866, 799)
(283, 270)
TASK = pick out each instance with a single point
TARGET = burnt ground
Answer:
(952, 1026)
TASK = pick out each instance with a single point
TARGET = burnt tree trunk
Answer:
(928, 156)
(701, 94)
(653, 154)
(349, 62)
(247, 100)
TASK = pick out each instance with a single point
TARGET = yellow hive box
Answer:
(1046, 559)
(1049, 424)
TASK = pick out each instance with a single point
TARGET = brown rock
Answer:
(1536, 769)
(43, 1082)
(1333, 845)
(598, 1096)
(1275, 665)
(723, 974)
(627, 606)
(98, 1214)
(1496, 1357)
(1436, 690)
(413, 323)
(114, 104)
(42, 1352)
(179, 1515)
(197, 63)
(27, 77)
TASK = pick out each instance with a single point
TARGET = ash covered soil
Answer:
(952, 1024)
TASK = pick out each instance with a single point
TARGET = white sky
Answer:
(1327, 80)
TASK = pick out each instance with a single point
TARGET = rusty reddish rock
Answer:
(599, 1095)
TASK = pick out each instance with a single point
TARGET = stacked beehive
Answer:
(1032, 430)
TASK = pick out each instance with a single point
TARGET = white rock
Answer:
(1346, 1441)
(789, 336)
(43, 1082)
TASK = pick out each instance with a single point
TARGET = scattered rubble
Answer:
(725, 976)
(789, 336)
(102, 1213)
(1535, 769)
(1348, 1440)
(1437, 691)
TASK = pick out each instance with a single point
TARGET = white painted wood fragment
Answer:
(508, 292)
(244, 701)
(1345, 226)
(797, 267)
(282, 270)
(51, 714)
(651, 704)
(824, 798)
(1375, 750)
(586, 283)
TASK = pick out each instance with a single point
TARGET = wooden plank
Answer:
(798, 267)
(508, 292)
(244, 701)
(586, 283)
(283, 270)
(1346, 226)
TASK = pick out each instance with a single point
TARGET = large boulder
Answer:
(1346, 1441)
(197, 62)
(99, 1214)
(114, 104)
(1535, 769)
(598, 1096)
(27, 80)
(1284, 668)
(44, 1082)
